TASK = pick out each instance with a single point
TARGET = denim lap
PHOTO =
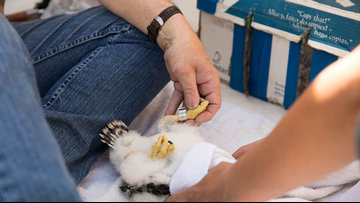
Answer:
(31, 165)
(91, 68)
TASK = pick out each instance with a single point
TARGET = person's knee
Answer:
(13, 53)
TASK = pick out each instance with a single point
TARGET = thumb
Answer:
(191, 92)
(243, 150)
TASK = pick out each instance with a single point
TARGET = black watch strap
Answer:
(160, 20)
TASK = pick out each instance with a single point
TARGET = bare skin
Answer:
(189, 66)
(315, 138)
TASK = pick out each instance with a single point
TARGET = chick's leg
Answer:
(162, 148)
(190, 115)
(156, 148)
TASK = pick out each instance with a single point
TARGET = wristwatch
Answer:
(159, 21)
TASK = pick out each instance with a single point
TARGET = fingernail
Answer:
(191, 104)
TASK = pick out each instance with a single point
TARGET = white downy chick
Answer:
(146, 173)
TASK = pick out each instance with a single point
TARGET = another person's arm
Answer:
(187, 62)
(315, 138)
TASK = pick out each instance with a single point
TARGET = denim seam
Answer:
(79, 41)
(51, 34)
(63, 86)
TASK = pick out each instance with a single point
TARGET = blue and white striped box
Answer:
(279, 26)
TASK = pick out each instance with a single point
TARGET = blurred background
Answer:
(17, 6)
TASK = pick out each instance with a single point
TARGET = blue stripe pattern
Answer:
(320, 61)
(237, 66)
(260, 62)
(261, 51)
(208, 6)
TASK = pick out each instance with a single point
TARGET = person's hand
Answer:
(190, 69)
(243, 150)
(213, 188)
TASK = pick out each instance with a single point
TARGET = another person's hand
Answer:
(212, 188)
(190, 69)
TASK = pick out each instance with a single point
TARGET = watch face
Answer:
(160, 20)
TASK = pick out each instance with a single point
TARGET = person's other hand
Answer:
(190, 69)
(212, 188)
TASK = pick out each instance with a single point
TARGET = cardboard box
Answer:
(278, 30)
(217, 36)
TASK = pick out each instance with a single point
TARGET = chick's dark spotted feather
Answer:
(157, 190)
(112, 132)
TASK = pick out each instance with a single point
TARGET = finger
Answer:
(177, 86)
(180, 89)
(209, 84)
(240, 152)
(211, 87)
(211, 110)
(187, 80)
(176, 100)
(243, 150)
(203, 118)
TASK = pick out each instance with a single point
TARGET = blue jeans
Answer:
(62, 80)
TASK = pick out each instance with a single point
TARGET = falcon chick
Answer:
(146, 164)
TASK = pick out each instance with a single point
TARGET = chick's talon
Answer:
(162, 148)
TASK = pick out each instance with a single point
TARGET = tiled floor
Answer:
(270, 111)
